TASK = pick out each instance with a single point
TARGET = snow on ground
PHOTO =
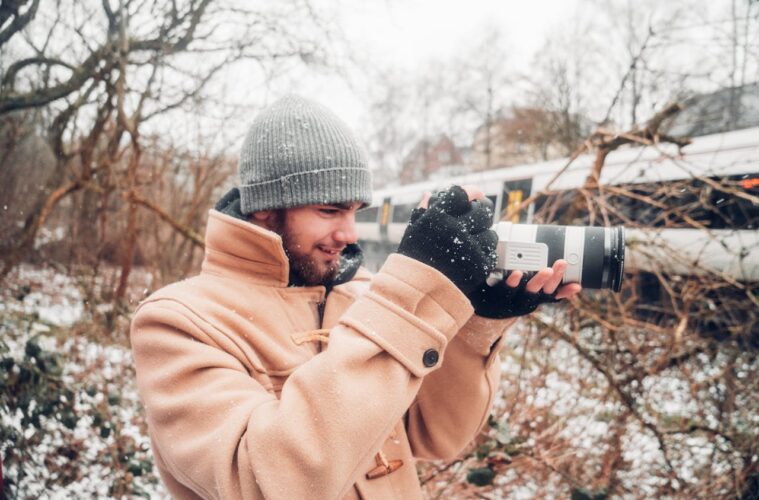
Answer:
(576, 396)
(42, 305)
(50, 296)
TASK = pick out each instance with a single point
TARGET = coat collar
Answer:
(242, 250)
(239, 249)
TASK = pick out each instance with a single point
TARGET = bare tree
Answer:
(648, 393)
(100, 75)
(567, 80)
(405, 112)
(483, 89)
(389, 133)
(651, 392)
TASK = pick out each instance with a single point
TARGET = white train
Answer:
(715, 180)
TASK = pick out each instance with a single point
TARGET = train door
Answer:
(384, 219)
(514, 193)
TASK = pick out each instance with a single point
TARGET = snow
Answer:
(46, 315)
(559, 385)
(60, 304)
(563, 409)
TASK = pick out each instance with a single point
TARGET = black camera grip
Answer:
(502, 301)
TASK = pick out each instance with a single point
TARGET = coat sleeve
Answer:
(454, 402)
(222, 435)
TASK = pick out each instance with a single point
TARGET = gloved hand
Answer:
(453, 235)
(502, 301)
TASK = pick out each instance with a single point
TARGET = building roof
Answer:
(727, 109)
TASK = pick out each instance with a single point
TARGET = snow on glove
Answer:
(453, 235)
(502, 301)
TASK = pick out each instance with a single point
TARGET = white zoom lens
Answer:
(595, 255)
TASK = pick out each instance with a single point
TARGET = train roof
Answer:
(728, 153)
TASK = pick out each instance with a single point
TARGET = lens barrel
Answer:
(616, 262)
(595, 255)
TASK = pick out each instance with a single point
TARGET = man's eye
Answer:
(329, 211)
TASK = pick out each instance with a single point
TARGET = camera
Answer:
(595, 255)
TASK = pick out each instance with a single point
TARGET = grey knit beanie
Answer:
(298, 152)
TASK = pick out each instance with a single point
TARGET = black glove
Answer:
(502, 301)
(453, 236)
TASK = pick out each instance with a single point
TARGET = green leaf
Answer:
(586, 494)
(69, 420)
(481, 476)
(24, 375)
(47, 409)
(40, 361)
(32, 350)
(6, 364)
(134, 469)
(492, 422)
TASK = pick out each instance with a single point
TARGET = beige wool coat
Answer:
(252, 391)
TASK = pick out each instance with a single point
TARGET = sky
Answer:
(389, 34)
(407, 33)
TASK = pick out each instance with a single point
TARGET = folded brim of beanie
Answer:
(318, 187)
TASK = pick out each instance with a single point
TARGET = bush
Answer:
(70, 421)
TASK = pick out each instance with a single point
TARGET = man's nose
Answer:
(346, 233)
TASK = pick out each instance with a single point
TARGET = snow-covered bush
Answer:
(71, 424)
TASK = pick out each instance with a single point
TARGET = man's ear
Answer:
(264, 218)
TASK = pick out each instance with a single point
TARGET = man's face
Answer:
(314, 236)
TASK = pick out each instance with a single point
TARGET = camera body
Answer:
(595, 255)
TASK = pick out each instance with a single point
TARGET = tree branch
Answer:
(33, 225)
(17, 66)
(19, 21)
(11, 101)
(187, 232)
(626, 398)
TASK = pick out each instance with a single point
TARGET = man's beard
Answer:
(304, 270)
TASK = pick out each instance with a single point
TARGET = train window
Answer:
(514, 193)
(685, 203)
(550, 208)
(368, 214)
(713, 203)
(402, 213)
(736, 210)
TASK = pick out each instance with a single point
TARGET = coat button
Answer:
(430, 358)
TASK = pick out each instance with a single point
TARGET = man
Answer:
(284, 370)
